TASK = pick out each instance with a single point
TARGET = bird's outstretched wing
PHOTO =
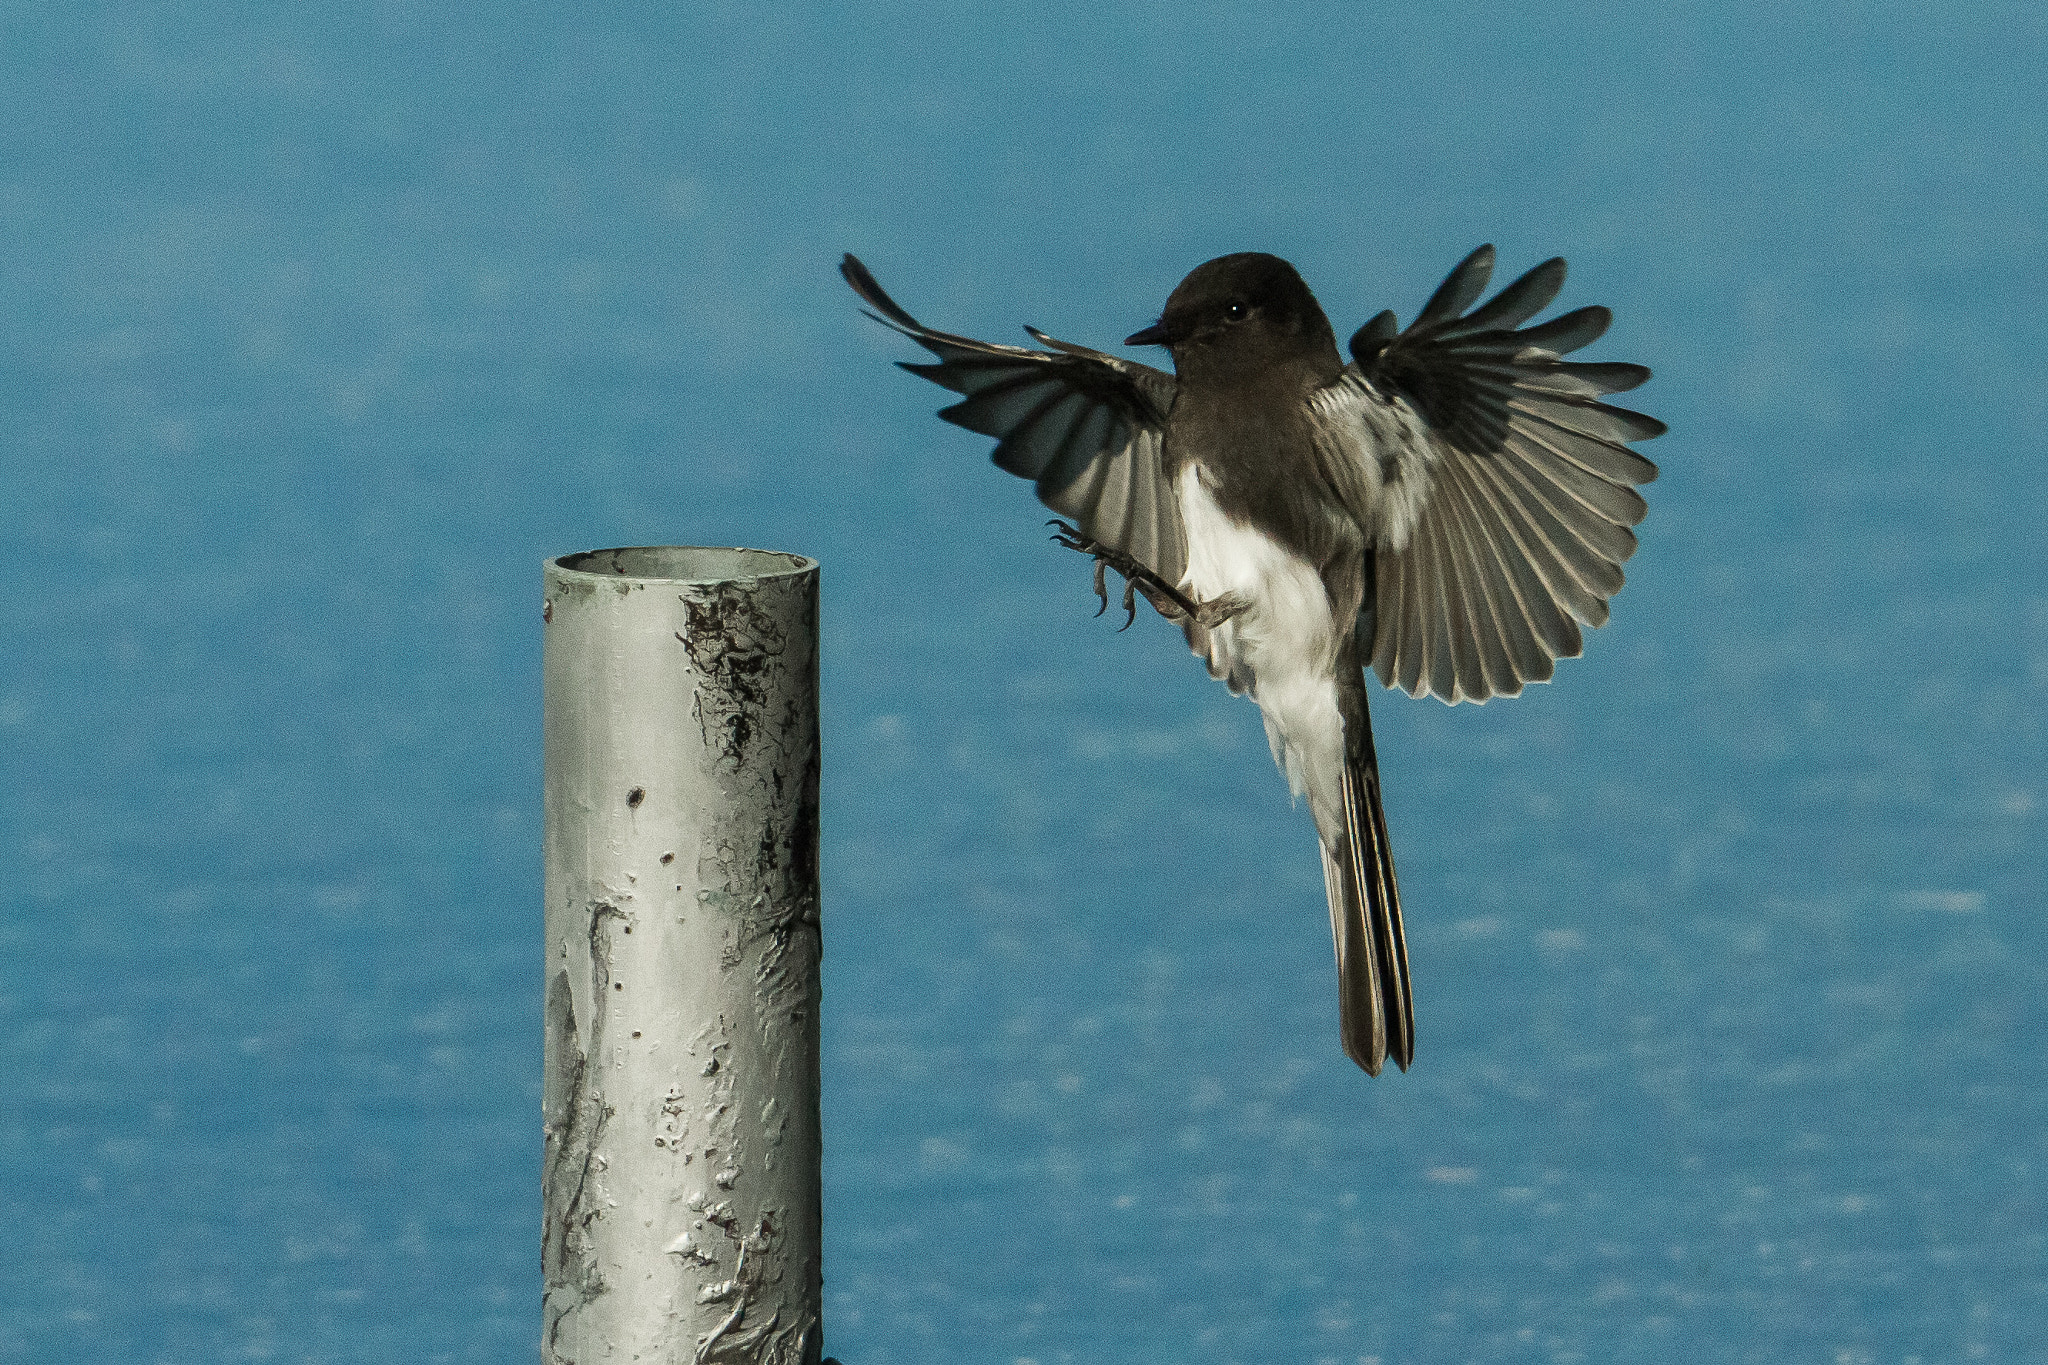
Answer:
(1085, 427)
(1497, 487)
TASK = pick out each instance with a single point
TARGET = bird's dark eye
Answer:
(1236, 311)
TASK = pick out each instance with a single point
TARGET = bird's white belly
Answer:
(1282, 648)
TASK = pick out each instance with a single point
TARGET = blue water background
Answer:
(320, 328)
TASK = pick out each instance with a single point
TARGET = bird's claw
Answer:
(1103, 563)
(1165, 599)
(1071, 537)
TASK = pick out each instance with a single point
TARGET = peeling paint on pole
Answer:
(681, 1186)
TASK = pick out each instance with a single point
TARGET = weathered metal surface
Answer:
(681, 1185)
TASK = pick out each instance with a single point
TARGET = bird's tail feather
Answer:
(1375, 1008)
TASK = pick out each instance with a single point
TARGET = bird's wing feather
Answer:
(1498, 489)
(1085, 427)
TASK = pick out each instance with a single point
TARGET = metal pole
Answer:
(681, 1187)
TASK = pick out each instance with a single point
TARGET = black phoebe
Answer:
(1450, 506)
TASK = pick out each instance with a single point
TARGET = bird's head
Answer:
(1246, 312)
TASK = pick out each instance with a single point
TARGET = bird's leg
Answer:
(1166, 599)
(1217, 610)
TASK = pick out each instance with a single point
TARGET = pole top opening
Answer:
(683, 564)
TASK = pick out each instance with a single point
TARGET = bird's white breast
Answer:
(1282, 648)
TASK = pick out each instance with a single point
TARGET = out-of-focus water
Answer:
(318, 330)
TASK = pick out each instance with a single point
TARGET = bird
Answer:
(1448, 507)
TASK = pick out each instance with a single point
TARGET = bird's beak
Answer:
(1155, 335)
